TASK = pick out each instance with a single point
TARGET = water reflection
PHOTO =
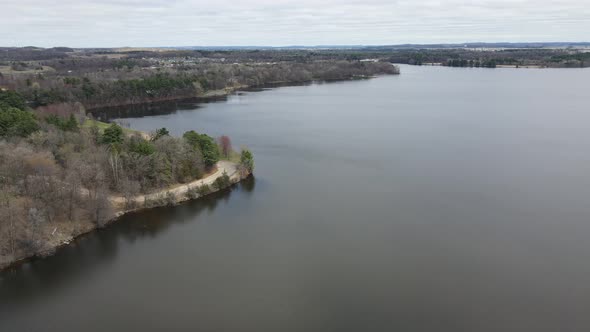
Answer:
(40, 277)
(151, 109)
(167, 107)
(249, 184)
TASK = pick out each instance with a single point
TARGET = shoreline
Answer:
(207, 96)
(499, 66)
(219, 94)
(179, 193)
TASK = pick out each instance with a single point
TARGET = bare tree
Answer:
(225, 145)
(100, 206)
(7, 217)
(130, 189)
(73, 186)
(114, 162)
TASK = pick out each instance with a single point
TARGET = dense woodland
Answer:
(58, 171)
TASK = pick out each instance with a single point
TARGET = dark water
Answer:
(440, 200)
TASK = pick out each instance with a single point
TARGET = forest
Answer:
(491, 58)
(59, 170)
(98, 78)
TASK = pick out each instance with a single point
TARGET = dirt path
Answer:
(61, 237)
(180, 190)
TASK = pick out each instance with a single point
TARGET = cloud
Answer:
(88, 23)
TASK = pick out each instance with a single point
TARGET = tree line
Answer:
(99, 81)
(489, 58)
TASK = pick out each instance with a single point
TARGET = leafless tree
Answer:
(225, 145)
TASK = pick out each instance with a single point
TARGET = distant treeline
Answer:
(471, 63)
(32, 53)
(558, 58)
(109, 79)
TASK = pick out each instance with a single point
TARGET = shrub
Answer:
(170, 198)
(192, 193)
(71, 124)
(155, 201)
(167, 199)
(198, 191)
(141, 146)
(222, 182)
(159, 134)
(204, 190)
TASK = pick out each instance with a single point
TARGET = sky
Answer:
(152, 23)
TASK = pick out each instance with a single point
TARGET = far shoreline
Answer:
(438, 64)
(222, 94)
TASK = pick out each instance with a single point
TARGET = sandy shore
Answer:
(180, 191)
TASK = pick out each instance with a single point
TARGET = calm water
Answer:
(440, 200)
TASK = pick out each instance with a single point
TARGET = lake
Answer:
(442, 199)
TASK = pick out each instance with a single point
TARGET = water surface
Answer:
(443, 199)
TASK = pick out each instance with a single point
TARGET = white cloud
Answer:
(85, 23)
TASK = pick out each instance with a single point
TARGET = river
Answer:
(442, 199)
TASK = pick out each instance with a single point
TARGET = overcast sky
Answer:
(112, 23)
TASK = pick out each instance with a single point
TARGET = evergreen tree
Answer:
(247, 160)
(160, 133)
(10, 98)
(206, 144)
(16, 122)
(113, 134)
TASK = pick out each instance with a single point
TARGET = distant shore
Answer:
(219, 94)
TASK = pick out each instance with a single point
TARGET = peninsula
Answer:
(63, 173)
(64, 176)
